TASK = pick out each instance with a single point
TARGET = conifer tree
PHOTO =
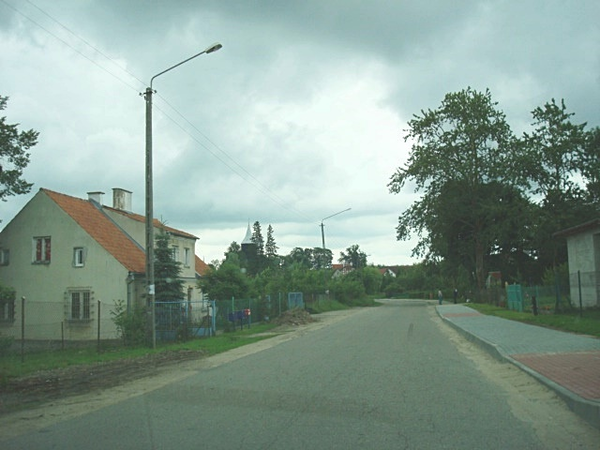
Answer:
(167, 271)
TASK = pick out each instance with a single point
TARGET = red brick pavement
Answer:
(578, 372)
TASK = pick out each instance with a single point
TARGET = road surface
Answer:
(392, 377)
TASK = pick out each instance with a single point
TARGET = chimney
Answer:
(95, 197)
(122, 199)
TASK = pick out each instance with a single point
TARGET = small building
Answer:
(583, 246)
(73, 260)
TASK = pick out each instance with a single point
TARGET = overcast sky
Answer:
(300, 115)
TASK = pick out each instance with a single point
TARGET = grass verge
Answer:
(11, 365)
(588, 323)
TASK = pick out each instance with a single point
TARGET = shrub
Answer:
(131, 325)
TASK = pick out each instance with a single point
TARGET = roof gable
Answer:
(103, 230)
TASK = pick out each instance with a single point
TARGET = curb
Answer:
(586, 409)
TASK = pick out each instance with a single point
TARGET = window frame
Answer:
(175, 253)
(79, 256)
(7, 311)
(42, 250)
(82, 311)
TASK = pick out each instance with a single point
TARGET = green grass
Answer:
(11, 365)
(325, 306)
(570, 321)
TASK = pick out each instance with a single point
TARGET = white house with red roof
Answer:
(72, 259)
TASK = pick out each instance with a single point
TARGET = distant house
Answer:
(583, 244)
(387, 272)
(72, 259)
(341, 270)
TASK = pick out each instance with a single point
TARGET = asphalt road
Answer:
(381, 378)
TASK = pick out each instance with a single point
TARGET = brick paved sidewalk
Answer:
(566, 362)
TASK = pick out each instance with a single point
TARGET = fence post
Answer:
(22, 330)
(580, 296)
(98, 326)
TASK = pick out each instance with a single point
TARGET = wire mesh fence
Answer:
(33, 326)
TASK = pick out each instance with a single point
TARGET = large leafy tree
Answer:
(14, 156)
(458, 150)
(226, 281)
(322, 258)
(354, 257)
(557, 154)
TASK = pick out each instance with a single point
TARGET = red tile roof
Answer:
(157, 223)
(201, 266)
(103, 230)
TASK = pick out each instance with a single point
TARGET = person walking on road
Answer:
(440, 297)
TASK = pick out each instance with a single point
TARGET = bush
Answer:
(348, 292)
(131, 326)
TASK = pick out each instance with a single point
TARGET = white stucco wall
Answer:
(584, 254)
(45, 286)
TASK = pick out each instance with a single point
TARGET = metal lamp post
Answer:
(323, 226)
(149, 193)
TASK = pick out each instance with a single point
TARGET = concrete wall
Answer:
(584, 265)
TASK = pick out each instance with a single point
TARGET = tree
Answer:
(463, 145)
(354, 257)
(556, 155)
(225, 282)
(322, 258)
(167, 271)
(590, 167)
(300, 257)
(554, 149)
(14, 156)
(257, 239)
(270, 247)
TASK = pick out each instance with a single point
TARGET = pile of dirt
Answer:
(47, 385)
(294, 317)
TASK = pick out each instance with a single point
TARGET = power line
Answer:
(69, 45)
(84, 41)
(235, 166)
(248, 177)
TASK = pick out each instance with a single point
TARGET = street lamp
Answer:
(323, 226)
(149, 194)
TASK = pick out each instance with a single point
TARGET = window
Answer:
(4, 257)
(7, 310)
(175, 251)
(41, 250)
(80, 305)
(186, 257)
(78, 256)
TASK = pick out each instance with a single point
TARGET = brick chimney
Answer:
(122, 199)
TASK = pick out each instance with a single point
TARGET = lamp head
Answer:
(213, 48)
